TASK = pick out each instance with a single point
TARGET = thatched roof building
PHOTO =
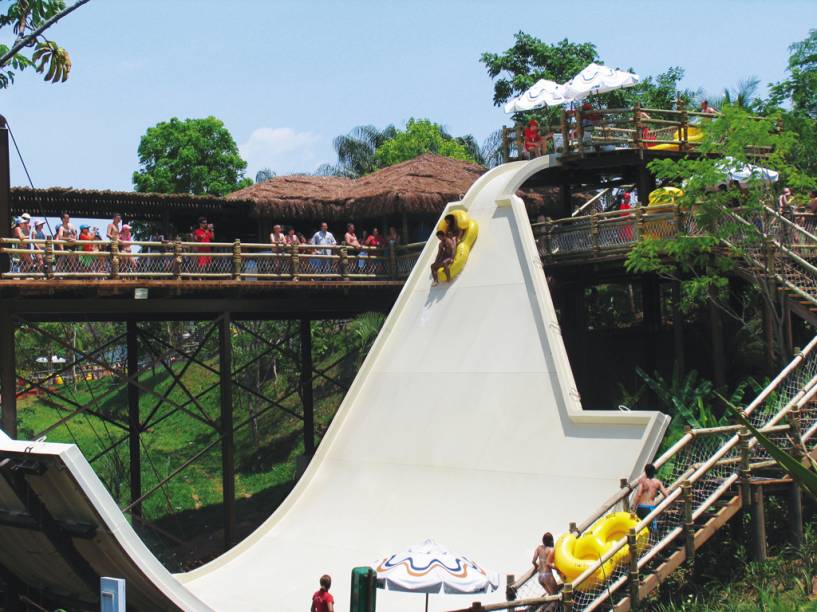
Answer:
(419, 187)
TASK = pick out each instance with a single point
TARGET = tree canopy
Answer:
(801, 86)
(420, 136)
(28, 20)
(197, 156)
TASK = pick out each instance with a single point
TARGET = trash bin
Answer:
(364, 590)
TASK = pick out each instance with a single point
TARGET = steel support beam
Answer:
(8, 374)
(306, 388)
(134, 423)
(225, 355)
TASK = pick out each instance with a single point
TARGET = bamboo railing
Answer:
(215, 261)
(703, 466)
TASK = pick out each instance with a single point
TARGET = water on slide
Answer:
(463, 425)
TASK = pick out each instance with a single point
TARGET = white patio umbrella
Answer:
(598, 79)
(542, 93)
(743, 173)
(430, 568)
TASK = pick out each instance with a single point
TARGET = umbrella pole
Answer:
(426, 602)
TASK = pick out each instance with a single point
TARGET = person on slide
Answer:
(453, 230)
(646, 492)
(543, 562)
(322, 601)
(445, 257)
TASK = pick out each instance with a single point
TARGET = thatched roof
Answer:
(296, 196)
(423, 185)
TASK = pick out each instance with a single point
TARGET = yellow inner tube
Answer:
(575, 555)
(470, 229)
(665, 195)
(694, 134)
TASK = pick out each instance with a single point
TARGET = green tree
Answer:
(801, 86)
(29, 19)
(356, 151)
(264, 174)
(196, 156)
(530, 59)
(705, 261)
(420, 136)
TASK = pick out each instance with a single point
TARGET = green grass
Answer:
(189, 506)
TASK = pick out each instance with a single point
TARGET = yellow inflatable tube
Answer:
(694, 134)
(575, 555)
(665, 195)
(470, 229)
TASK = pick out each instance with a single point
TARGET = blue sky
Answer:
(286, 77)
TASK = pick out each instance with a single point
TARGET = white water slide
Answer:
(463, 425)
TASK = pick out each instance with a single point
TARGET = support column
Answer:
(716, 335)
(651, 307)
(8, 374)
(225, 355)
(566, 199)
(645, 184)
(5, 191)
(795, 499)
(758, 518)
(405, 238)
(306, 388)
(134, 421)
(678, 328)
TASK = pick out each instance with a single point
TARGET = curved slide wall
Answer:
(463, 425)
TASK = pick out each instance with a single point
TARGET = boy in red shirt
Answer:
(322, 601)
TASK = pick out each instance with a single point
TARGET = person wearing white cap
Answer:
(22, 231)
(125, 247)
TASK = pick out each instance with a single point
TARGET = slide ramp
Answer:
(463, 425)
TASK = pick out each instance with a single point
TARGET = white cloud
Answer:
(283, 150)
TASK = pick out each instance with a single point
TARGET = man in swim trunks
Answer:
(648, 488)
(445, 257)
(543, 562)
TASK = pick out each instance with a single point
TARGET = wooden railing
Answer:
(216, 261)
(711, 471)
(607, 129)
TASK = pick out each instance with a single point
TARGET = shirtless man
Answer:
(543, 562)
(645, 493)
(445, 256)
(114, 228)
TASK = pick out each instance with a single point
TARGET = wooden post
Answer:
(678, 328)
(520, 141)
(684, 130)
(745, 471)
(296, 261)
(689, 525)
(510, 592)
(8, 374)
(134, 422)
(49, 257)
(594, 232)
(634, 583)
(717, 344)
(237, 260)
(177, 259)
(565, 198)
(579, 130)
(565, 132)
(226, 427)
(405, 227)
(624, 483)
(567, 597)
(638, 230)
(637, 126)
(392, 261)
(306, 388)
(115, 258)
(506, 151)
(5, 192)
(758, 514)
(548, 237)
(651, 307)
(344, 263)
(795, 493)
